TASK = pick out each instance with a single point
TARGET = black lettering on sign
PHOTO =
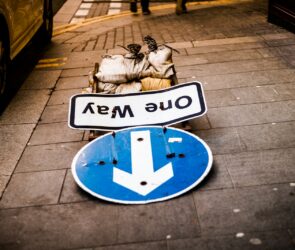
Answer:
(169, 106)
(117, 110)
(88, 107)
(150, 107)
(103, 110)
(183, 106)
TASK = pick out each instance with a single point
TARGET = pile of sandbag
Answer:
(135, 71)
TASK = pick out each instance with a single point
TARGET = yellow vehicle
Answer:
(20, 20)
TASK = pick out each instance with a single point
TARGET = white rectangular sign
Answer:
(161, 107)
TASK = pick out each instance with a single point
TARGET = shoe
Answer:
(181, 11)
(146, 12)
(178, 12)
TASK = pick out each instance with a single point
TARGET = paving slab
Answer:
(218, 177)
(189, 60)
(83, 59)
(83, 71)
(247, 79)
(254, 240)
(260, 167)
(227, 47)
(84, 248)
(215, 57)
(249, 95)
(290, 60)
(281, 42)
(179, 45)
(81, 224)
(286, 50)
(31, 189)
(55, 113)
(48, 157)
(200, 123)
(55, 133)
(252, 114)
(230, 67)
(225, 41)
(159, 245)
(82, 38)
(41, 79)
(13, 139)
(72, 82)
(71, 192)
(268, 136)
(222, 141)
(4, 179)
(58, 51)
(292, 234)
(250, 241)
(249, 138)
(243, 210)
(269, 52)
(275, 36)
(187, 244)
(25, 107)
(63, 96)
(176, 218)
(60, 39)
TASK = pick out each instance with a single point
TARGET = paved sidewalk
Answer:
(246, 66)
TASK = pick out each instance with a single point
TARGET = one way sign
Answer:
(142, 164)
(161, 107)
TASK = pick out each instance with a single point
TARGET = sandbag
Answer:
(107, 88)
(150, 83)
(99, 87)
(119, 69)
(136, 69)
(161, 61)
(161, 56)
(126, 88)
(163, 72)
(112, 70)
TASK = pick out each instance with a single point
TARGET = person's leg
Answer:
(178, 7)
(183, 6)
(133, 6)
(145, 7)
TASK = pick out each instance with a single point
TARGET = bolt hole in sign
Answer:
(142, 164)
(161, 107)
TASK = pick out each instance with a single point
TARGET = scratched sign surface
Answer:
(162, 107)
(142, 165)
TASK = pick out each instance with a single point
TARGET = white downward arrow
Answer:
(143, 178)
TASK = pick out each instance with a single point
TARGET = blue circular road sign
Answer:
(142, 164)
